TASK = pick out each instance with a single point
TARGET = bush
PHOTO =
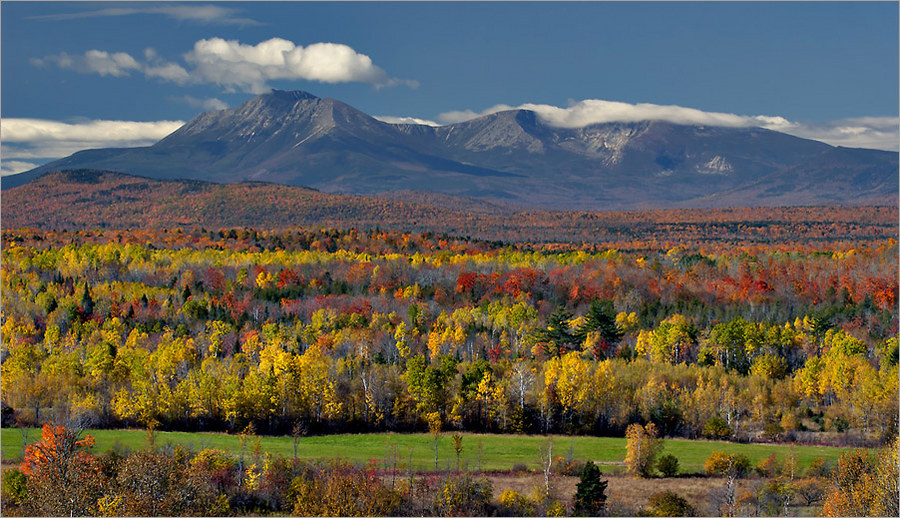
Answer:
(15, 487)
(669, 503)
(343, 490)
(513, 503)
(463, 496)
(717, 428)
(667, 465)
(773, 431)
(820, 467)
(727, 464)
(768, 467)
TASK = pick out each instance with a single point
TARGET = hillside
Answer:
(86, 199)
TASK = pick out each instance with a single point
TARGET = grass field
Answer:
(497, 452)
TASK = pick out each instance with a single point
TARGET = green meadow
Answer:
(484, 451)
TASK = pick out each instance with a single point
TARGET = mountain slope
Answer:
(295, 138)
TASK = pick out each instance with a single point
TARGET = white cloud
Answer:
(236, 65)
(209, 14)
(405, 120)
(8, 167)
(115, 64)
(239, 66)
(40, 138)
(169, 72)
(210, 104)
(868, 132)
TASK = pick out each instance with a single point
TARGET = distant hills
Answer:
(88, 199)
(510, 157)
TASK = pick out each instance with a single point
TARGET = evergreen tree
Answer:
(557, 336)
(600, 318)
(590, 493)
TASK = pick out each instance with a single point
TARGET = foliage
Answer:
(590, 492)
(727, 464)
(865, 486)
(343, 490)
(667, 465)
(15, 487)
(642, 449)
(669, 503)
(464, 495)
(512, 503)
(349, 330)
(717, 428)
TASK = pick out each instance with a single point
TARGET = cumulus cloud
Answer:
(868, 132)
(207, 14)
(238, 66)
(405, 120)
(25, 139)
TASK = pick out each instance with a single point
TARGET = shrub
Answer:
(727, 464)
(768, 466)
(156, 483)
(820, 467)
(717, 428)
(343, 490)
(669, 503)
(513, 503)
(668, 465)
(463, 496)
(773, 431)
(15, 489)
(811, 491)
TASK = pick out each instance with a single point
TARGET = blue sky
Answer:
(77, 75)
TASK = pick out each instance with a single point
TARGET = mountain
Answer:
(295, 138)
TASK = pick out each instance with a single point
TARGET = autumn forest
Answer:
(666, 333)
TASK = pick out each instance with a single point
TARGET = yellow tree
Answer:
(641, 449)
(568, 378)
(863, 486)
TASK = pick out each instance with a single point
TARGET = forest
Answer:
(329, 330)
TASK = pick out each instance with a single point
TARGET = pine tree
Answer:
(590, 493)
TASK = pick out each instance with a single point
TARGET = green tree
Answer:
(601, 319)
(590, 492)
(557, 337)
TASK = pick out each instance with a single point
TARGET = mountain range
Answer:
(512, 157)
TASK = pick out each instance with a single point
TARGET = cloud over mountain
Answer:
(867, 132)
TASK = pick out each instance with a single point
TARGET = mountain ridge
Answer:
(296, 138)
